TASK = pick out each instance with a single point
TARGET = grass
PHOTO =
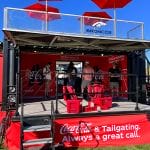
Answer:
(138, 147)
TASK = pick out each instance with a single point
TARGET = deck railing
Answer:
(68, 24)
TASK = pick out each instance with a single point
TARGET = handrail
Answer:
(73, 15)
(21, 117)
(79, 29)
(132, 30)
(52, 124)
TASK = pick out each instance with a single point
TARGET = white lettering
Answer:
(81, 128)
(118, 128)
(107, 137)
(77, 138)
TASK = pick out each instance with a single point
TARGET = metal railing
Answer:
(131, 90)
(52, 131)
(68, 24)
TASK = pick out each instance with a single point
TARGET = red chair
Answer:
(71, 92)
(73, 102)
(65, 93)
(96, 93)
(98, 90)
(90, 90)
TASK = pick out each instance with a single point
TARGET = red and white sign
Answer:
(103, 131)
(37, 89)
(96, 131)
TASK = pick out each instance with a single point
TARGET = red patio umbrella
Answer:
(105, 4)
(44, 16)
(95, 21)
(49, 0)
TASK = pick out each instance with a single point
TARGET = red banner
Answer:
(97, 131)
(103, 131)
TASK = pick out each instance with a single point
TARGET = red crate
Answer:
(97, 101)
(91, 103)
(98, 90)
(89, 109)
(106, 103)
(74, 106)
(91, 93)
(109, 101)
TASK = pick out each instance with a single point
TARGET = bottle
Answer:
(98, 108)
(91, 104)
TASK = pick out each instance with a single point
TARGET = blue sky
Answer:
(137, 10)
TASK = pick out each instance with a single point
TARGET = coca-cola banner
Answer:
(103, 131)
(33, 79)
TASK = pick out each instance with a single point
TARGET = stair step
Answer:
(36, 120)
(37, 141)
(37, 128)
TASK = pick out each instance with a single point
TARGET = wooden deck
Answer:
(44, 107)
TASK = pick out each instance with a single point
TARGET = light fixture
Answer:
(12, 94)
(12, 98)
(12, 89)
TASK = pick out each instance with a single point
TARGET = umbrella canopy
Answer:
(41, 15)
(49, 0)
(95, 21)
(105, 4)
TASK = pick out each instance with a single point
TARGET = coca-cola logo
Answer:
(81, 128)
(65, 57)
(116, 58)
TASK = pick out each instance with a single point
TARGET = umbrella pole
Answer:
(46, 26)
(115, 22)
(81, 25)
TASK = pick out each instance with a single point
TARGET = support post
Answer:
(18, 82)
(56, 111)
(5, 73)
(137, 93)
